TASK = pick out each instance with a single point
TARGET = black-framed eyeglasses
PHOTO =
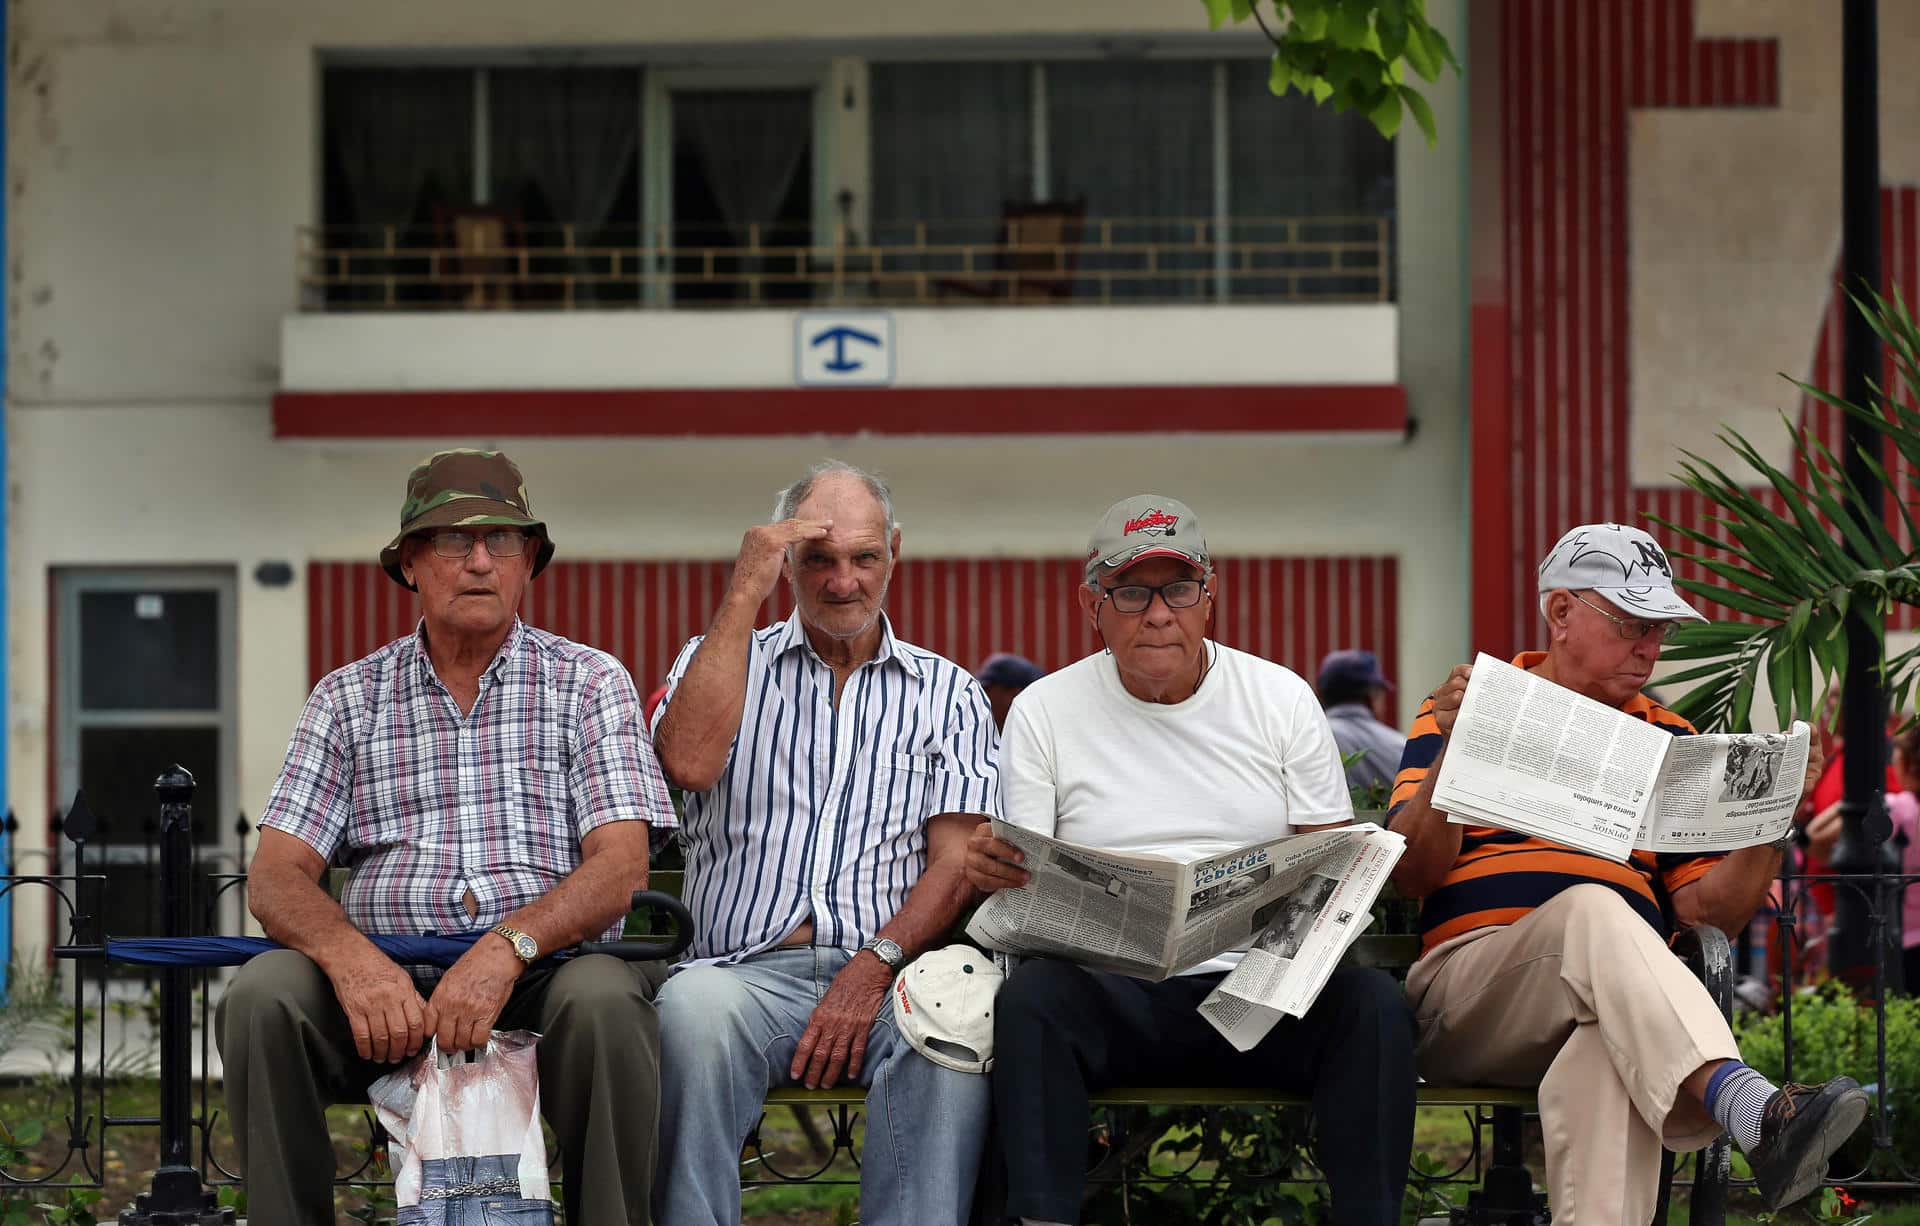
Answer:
(1135, 597)
(1633, 629)
(458, 542)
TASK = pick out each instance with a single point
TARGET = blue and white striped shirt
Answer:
(821, 813)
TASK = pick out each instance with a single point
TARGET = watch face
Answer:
(525, 947)
(888, 951)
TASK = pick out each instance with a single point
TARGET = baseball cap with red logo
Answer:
(1145, 526)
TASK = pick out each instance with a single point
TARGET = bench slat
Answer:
(1183, 1096)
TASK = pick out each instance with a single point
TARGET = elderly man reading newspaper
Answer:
(1170, 744)
(1542, 964)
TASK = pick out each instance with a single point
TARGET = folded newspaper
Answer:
(1535, 757)
(1294, 904)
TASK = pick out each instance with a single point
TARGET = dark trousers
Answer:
(1062, 1031)
(289, 1055)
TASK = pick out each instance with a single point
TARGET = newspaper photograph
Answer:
(1728, 790)
(1535, 757)
(1299, 940)
(1153, 917)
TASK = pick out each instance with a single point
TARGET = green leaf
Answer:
(1217, 12)
(1242, 9)
(1307, 19)
(1386, 114)
(1422, 52)
(1279, 76)
(1350, 26)
(1322, 89)
(1422, 113)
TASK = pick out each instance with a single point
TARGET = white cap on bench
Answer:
(943, 1006)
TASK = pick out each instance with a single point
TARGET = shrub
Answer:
(1834, 1035)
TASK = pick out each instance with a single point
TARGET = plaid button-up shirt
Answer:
(425, 805)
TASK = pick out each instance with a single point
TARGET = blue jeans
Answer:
(473, 1208)
(728, 1034)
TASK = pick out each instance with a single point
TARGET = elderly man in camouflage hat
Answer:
(476, 775)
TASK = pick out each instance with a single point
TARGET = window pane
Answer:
(1288, 158)
(399, 142)
(952, 144)
(117, 770)
(563, 141)
(155, 651)
(1134, 139)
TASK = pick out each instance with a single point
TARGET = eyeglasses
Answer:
(458, 542)
(1135, 597)
(1632, 628)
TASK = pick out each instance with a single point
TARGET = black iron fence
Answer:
(1795, 1023)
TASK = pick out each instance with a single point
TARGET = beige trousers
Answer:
(1583, 999)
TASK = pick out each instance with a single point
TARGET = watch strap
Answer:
(514, 936)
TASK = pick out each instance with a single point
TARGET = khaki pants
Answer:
(1583, 999)
(289, 1055)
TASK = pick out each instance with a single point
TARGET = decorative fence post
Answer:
(178, 1197)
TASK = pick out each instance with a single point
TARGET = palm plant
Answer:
(1797, 553)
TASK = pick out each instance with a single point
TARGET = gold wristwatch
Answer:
(524, 947)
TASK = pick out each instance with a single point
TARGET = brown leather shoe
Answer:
(1802, 1127)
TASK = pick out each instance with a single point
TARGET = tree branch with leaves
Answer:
(1356, 54)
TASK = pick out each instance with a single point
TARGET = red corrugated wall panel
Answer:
(1293, 610)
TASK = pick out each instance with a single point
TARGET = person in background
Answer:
(1358, 700)
(1903, 808)
(1003, 675)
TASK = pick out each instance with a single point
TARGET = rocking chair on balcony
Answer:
(479, 255)
(1034, 258)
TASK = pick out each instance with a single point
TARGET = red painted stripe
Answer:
(733, 412)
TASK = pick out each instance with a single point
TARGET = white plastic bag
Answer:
(465, 1131)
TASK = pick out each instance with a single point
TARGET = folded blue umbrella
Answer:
(429, 950)
(232, 951)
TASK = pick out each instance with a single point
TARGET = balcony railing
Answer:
(502, 264)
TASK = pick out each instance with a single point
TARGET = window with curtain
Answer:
(1287, 157)
(952, 143)
(398, 142)
(1134, 140)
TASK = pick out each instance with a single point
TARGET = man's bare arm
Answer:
(1731, 891)
(836, 1036)
(697, 731)
(384, 1011)
(1433, 842)
(613, 864)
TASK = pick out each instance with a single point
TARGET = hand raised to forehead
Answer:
(764, 549)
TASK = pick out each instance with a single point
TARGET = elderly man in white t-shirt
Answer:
(1171, 744)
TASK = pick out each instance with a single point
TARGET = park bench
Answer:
(1506, 1196)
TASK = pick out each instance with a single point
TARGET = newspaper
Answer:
(1294, 903)
(1535, 757)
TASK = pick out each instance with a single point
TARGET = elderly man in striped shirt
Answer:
(1544, 965)
(833, 773)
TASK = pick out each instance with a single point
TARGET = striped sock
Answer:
(1737, 1097)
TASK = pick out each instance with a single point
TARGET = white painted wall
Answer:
(1735, 233)
(933, 347)
(163, 157)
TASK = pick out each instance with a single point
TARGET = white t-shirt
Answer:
(1248, 756)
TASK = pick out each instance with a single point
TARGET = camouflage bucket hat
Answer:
(453, 489)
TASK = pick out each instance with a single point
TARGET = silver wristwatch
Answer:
(1785, 841)
(887, 951)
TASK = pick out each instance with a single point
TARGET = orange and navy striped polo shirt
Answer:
(1501, 875)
